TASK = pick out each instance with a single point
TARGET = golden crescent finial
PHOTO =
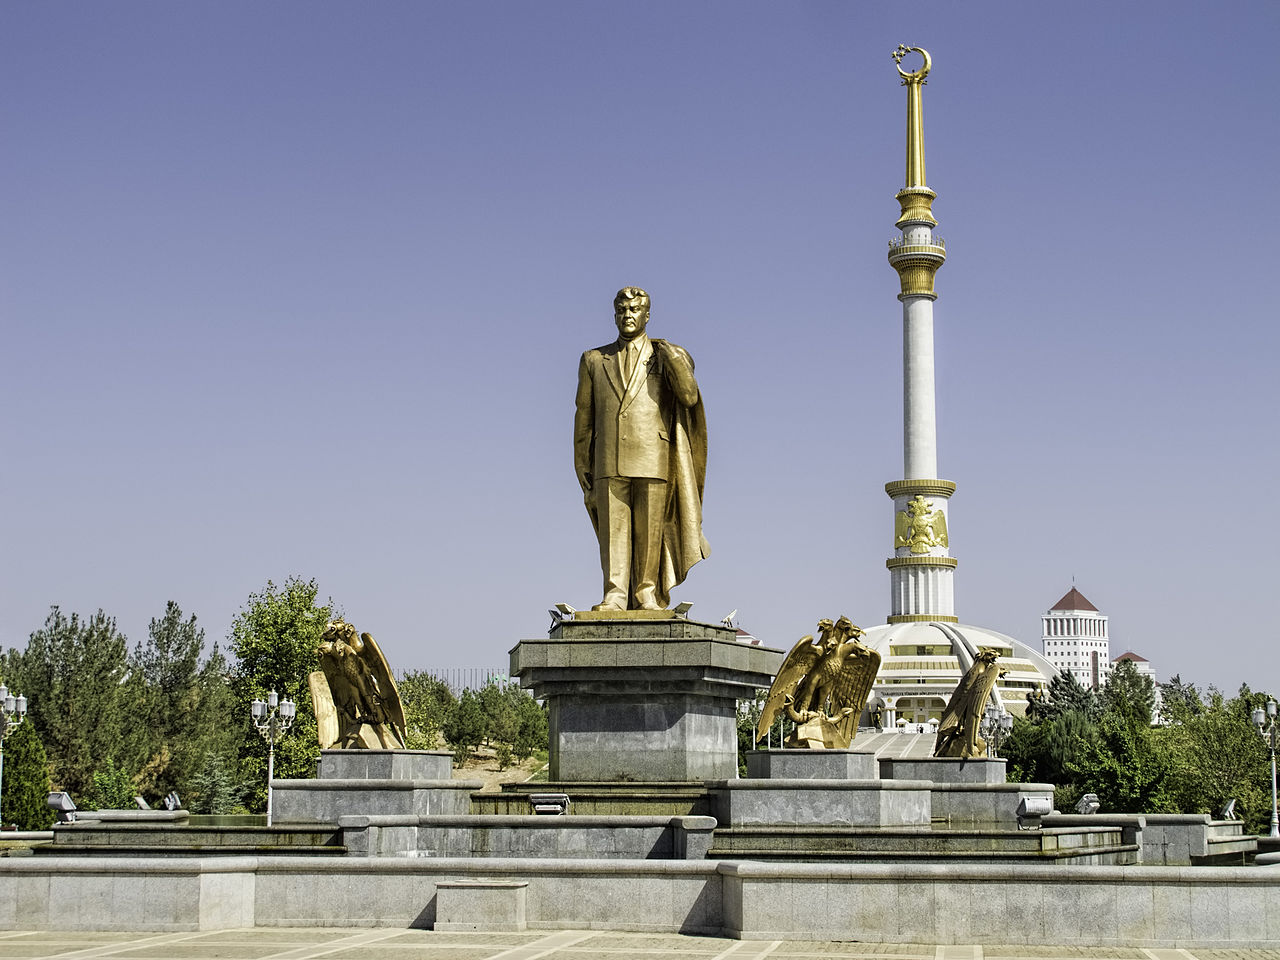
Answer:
(919, 75)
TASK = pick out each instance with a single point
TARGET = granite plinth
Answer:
(812, 765)
(874, 803)
(642, 699)
(374, 783)
(944, 769)
(385, 765)
(325, 801)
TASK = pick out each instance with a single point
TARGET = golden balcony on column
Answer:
(916, 263)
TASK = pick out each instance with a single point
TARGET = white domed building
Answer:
(925, 650)
(922, 661)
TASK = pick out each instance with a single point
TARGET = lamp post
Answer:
(996, 725)
(1270, 736)
(13, 710)
(272, 718)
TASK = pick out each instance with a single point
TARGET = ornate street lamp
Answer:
(272, 718)
(13, 710)
(996, 725)
(1271, 736)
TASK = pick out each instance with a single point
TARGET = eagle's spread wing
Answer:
(853, 684)
(327, 731)
(857, 674)
(798, 663)
(392, 708)
(902, 529)
(940, 528)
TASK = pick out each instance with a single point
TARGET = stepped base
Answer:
(374, 783)
(1094, 846)
(608, 799)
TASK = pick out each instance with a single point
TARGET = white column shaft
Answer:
(920, 440)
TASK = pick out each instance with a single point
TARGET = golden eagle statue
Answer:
(823, 687)
(958, 733)
(357, 704)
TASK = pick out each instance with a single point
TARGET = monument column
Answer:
(921, 568)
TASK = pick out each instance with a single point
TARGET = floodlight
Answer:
(566, 609)
(1088, 804)
(681, 609)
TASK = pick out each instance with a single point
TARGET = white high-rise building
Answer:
(1075, 640)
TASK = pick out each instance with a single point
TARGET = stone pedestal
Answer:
(385, 765)
(813, 765)
(374, 783)
(944, 769)
(650, 699)
(826, 803)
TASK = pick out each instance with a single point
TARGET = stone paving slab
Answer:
(396, 944)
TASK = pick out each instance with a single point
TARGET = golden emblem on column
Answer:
(920, 527)
(823, 687)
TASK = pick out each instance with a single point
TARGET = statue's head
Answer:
(847, 628)
(988, 656)
(631, 312)
(340, 631)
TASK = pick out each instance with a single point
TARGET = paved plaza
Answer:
(383, 944)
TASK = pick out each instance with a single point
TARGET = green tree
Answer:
(110, 788)
(1218, 757)
(465, 727)
(185, 707)
(501, 724)
(427, 702)
(531, 734)
(1179, 701)
(1125, 765)
(1130, 694)
(275, 640)
(74, 675)
(748, 716)
(1065, 693)
(1050, 751)
(26, 780)
(214, 790)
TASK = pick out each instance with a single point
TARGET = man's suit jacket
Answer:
(621, 429)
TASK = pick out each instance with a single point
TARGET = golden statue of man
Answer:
(640, 452)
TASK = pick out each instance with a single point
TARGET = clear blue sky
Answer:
(300, 288)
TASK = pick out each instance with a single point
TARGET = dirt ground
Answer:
(483, 766)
